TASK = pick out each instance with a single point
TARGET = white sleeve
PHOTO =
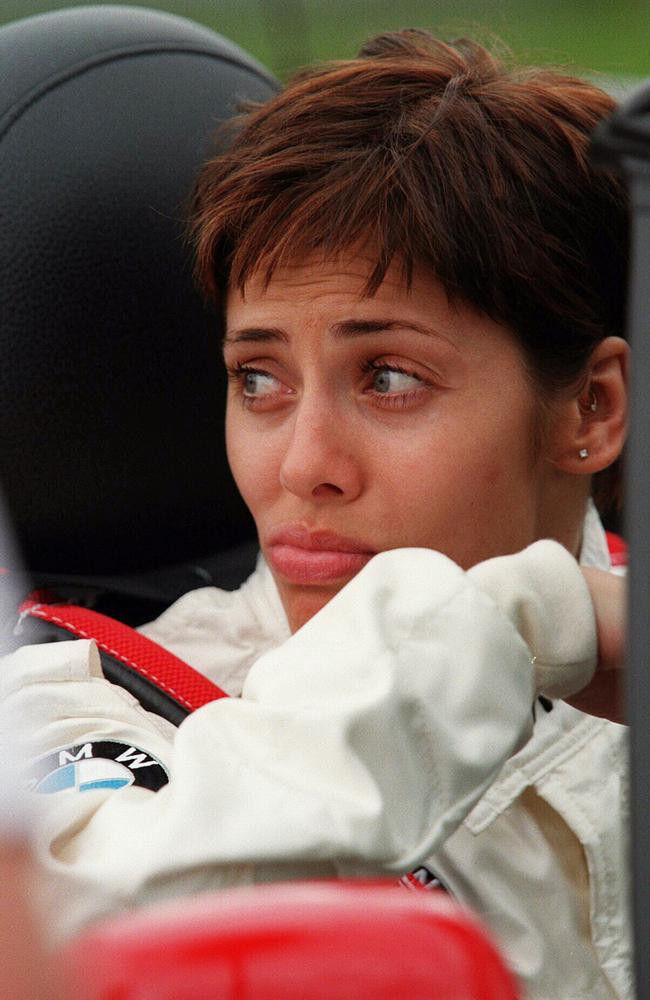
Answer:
(365, 738)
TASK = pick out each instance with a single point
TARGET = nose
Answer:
(322, 461)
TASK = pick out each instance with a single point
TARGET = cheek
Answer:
(461, 456)
(236, 450)
(500, 472)
(466, 487)
(252, 462)
(502, 463)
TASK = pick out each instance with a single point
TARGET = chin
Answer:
(301, 607)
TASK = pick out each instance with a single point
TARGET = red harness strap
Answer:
(155, 665)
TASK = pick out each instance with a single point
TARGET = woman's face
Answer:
(359, 424)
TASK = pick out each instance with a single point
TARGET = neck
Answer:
(563, 518)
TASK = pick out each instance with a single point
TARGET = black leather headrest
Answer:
(111, 388)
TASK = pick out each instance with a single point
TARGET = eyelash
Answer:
(237, 375)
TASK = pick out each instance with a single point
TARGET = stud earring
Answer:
(592, 405)
(584, 453)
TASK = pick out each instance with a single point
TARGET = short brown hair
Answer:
(441, 154)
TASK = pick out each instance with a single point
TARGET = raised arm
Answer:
(361, 742)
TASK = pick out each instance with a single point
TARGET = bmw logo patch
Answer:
(86, 767)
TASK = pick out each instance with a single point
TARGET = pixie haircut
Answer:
(441, 156)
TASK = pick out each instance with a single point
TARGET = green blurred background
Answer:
(589, 36)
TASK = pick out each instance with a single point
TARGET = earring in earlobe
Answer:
(584, 453)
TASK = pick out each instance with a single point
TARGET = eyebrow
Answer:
(362, 327)
(340, 331)
(259, 334)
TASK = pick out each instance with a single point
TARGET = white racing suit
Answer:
(393, 730)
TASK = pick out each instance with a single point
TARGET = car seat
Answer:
(112, 460)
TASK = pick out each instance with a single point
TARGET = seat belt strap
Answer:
(160, 680)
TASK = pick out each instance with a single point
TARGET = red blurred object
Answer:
(618, 550)
(295, 941)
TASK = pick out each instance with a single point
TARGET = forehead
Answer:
(316, 278)
(323, 292)
(318, 297)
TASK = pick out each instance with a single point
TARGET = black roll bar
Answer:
(623, 141)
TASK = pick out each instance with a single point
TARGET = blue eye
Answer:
(388, 380)
(258, 383)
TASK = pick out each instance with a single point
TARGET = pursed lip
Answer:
(316, 540)
(303, 555)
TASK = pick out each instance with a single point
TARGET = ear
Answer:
(592, 425)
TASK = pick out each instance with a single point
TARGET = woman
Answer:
(422, 283)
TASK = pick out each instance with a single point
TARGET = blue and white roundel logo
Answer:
(96, 765)
(87, 776)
